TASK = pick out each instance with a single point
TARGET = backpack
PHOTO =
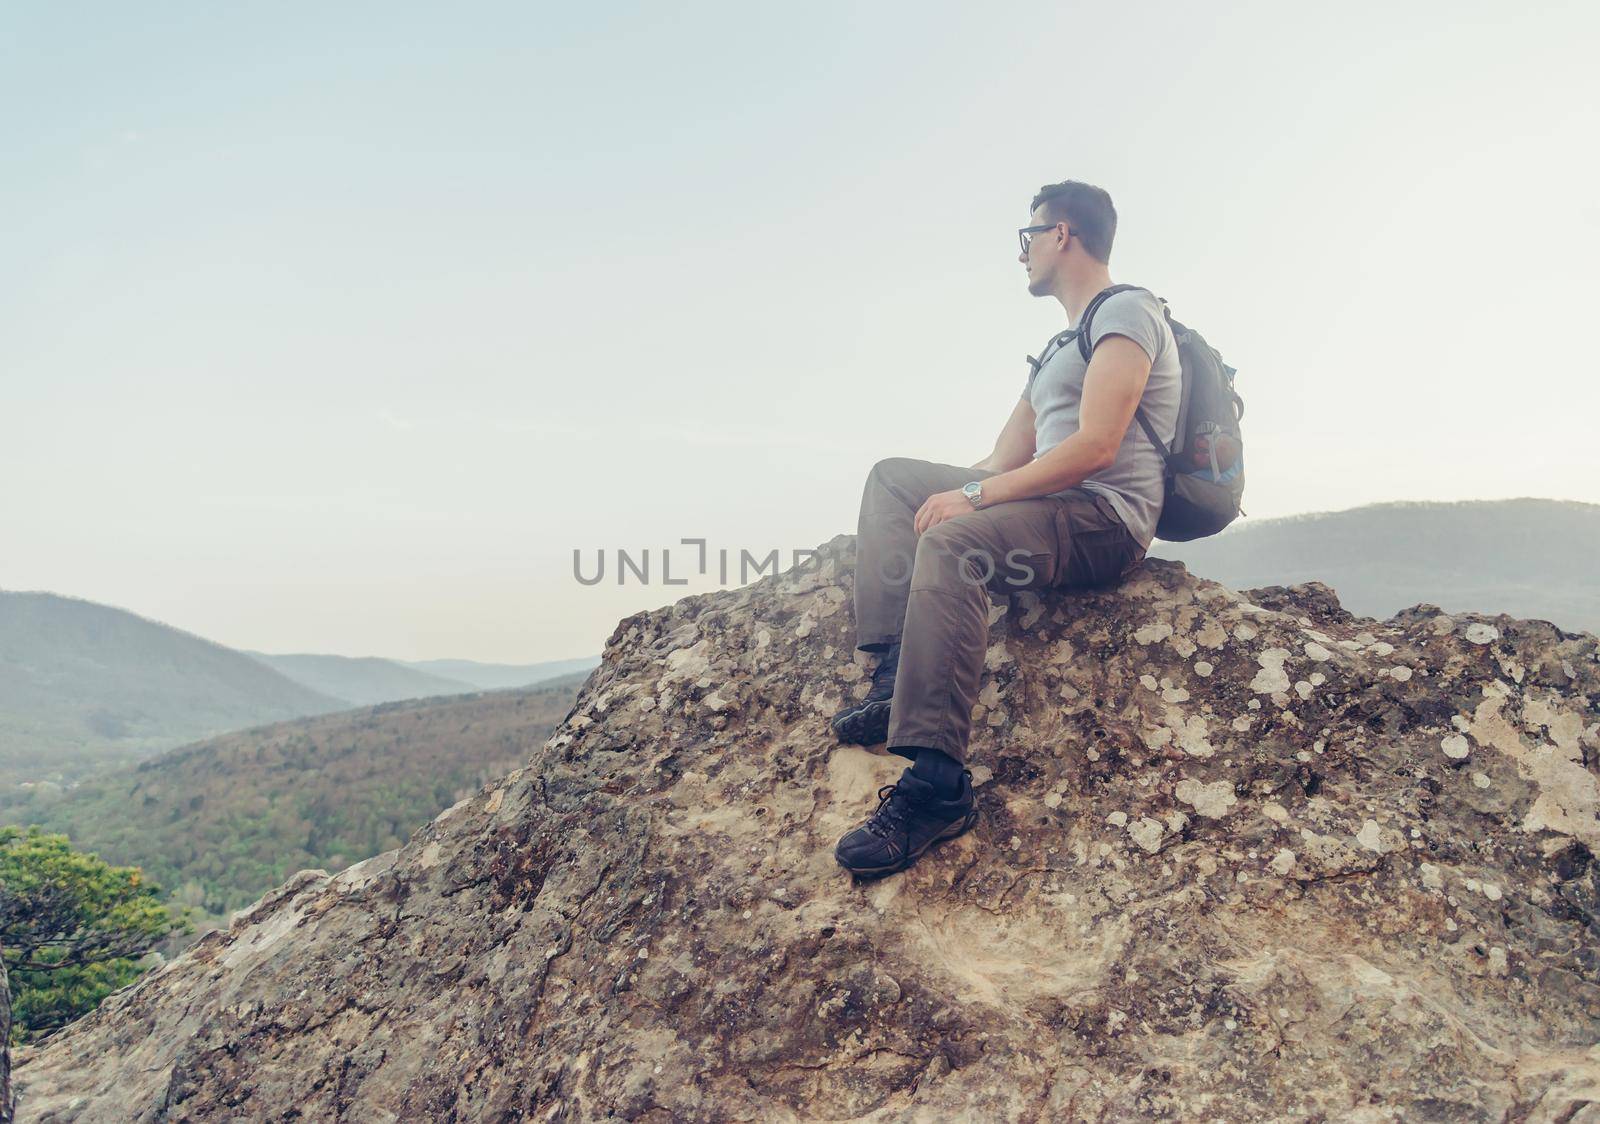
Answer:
(1205, 466)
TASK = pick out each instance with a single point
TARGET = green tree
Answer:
(72, 928)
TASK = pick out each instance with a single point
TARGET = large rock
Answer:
(1240, 858)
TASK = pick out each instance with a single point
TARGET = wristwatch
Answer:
(974, 493)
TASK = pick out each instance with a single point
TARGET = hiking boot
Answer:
(867, 722)
(910, 819)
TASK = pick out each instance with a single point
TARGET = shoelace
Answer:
(891, 813)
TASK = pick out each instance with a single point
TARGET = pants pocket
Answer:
(1098, 547)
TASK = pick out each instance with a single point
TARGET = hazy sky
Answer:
(337, 327)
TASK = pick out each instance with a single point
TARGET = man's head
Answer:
(1080, 224)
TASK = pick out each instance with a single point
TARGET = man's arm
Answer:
(1014, 446)
(1112, 387)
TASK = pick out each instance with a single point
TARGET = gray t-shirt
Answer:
(1134, 482)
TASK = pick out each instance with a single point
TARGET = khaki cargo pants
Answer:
(932, 591)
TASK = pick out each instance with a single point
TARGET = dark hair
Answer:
(1086, 209)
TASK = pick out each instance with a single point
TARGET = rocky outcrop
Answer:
(1241, 857)
(5, 1046)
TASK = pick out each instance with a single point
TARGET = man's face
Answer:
(1044, 252)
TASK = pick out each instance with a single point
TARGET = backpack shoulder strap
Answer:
(1087, 319)
(1056, 341)
(1150, 432)
(1084, 324)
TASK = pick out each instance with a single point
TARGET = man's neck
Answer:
(1076, 292)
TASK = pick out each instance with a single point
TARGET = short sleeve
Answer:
(1134, 314)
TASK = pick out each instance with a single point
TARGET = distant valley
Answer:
(85, 687)
(363, 680)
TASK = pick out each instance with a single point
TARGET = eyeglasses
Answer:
(1025, 235)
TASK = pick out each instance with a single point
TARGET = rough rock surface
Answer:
(1240, 859)
(5, 1047)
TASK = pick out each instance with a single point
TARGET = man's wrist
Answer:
(995, 488)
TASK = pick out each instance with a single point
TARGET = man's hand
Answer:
(941, 506)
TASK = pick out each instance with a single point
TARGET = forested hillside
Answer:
(222, 821)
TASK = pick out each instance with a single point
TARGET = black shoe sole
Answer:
(867, 724)
(957, 827)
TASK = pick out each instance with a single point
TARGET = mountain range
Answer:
(366, 680)
(86, 686)
(1526, 557)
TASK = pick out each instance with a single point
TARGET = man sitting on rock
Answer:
(1068, 498)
